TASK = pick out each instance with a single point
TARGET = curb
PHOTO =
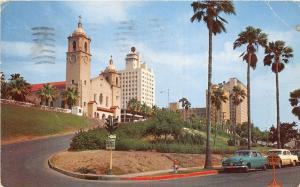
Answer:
(174, 176)
(131, 177)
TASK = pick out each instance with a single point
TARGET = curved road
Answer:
(25, 165)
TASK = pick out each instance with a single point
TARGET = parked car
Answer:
(284, 157)
(297, 153)
(245, 160)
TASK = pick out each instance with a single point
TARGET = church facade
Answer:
(98, 97)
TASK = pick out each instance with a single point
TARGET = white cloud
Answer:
(101, 12)
(16, 48)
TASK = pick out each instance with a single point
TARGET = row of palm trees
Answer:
(16, 87)
(49, 94)
(276, 54)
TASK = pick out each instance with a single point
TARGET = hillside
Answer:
(19, 123)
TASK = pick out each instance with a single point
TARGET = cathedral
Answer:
(99, 97)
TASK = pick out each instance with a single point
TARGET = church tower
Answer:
(78, 65)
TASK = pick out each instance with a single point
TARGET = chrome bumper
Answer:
(234, 167)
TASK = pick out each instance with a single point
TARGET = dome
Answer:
(79, 30)
(111, 67)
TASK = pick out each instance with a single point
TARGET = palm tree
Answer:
(154, 110)
(134, 106)
(48, 94)
(253, 38)
(70, 96)
(185, 105)
(4, 87)
(295, 102)
(145, 109)
(217, 98)
(18, 87)
(236, 96)
(277, 53)
(209, 12)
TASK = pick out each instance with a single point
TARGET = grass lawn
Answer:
(18, 121)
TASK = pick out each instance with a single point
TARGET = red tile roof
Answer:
(59, 85)
(92, 102)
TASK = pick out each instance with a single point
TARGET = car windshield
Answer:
(274, 152)
(242, 153)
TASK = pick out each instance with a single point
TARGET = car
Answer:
(284, 157)
(297, 153)
(245, 160)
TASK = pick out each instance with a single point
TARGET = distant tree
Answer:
(165, 123)
(4, 87)
(18, 88)
(209, 12)
(295, 102)
(134, 106)
(277, 53)
(145, 110)
(185, 104)
(217, 98)
(252, 38)
(47, 94)
(154, 110)
(237, 96)
(70, 96)
(288, 131)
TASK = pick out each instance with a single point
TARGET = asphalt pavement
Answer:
(25, 165)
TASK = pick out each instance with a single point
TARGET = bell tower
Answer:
(78, 65)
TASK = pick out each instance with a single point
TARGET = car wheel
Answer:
(294, 163)
(247, 169)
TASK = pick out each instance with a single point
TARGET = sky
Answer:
(175, 48)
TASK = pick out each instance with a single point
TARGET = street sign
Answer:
(112, 136)
(110, 144)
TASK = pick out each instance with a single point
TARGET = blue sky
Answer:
(168, 42)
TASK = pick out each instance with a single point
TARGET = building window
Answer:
(84, 103)
(85, 82)
(85, 47)
(103, 116)
(74, 46)
(106, 101)
(72, 81)
(117, 81)
(101, 99)
(95, 96)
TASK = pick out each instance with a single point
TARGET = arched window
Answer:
(74, 46)
(103, 116)
(100, 99)
(85, 47)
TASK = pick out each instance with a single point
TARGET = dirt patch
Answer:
(125, 162)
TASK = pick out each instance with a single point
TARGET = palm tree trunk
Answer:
(248, 102)
(278, 116)
(216, 128)
(208, 163)
(234, 126)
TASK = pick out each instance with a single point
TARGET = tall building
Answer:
(226, 113)
(137, 81)
(98, 97)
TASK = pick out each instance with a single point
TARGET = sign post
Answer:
(273, 160)
(110, 145)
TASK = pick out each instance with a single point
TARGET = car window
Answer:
(288, 152)
(254, 154)
(259, 154)
(275, 152)
(284, 152)
(242, 153)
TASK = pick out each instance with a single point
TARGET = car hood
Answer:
(235, 159)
